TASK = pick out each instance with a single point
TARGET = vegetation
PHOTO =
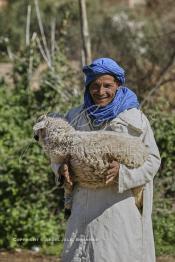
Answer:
(164, 183)
(31, 204)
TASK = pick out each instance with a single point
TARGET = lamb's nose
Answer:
(36, 137)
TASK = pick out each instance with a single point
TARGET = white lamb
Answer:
(89, 152)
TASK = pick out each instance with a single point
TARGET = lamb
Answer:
(89, 153)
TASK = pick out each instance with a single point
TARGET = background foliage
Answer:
(164, 183)
(31, 205)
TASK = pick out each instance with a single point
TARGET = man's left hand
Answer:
(113, 172)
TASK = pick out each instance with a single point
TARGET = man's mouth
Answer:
(101, 98)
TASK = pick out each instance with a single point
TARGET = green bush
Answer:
(30, 202)
(164, 233)
(163, 123)
(13, 20)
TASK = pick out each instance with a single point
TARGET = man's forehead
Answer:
(106, 78)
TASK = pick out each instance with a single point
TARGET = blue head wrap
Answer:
(103, 66)
(124, 98)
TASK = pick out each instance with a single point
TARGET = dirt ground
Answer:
(29, 256)
(26, 256)
(165, 259)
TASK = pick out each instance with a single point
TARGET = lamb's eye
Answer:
(36, 137)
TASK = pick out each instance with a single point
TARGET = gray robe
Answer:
(105, 225)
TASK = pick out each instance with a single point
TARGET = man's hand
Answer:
(113, 172)
(64, 171)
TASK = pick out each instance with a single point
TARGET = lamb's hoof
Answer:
(67, 213)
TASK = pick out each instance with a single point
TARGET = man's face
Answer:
(103, 89)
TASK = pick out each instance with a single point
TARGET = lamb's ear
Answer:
(39, 125)
(41, 118)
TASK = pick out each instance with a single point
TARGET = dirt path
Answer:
(29, 256)
(166, 259)
(26, 256)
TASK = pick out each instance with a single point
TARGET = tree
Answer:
(86, 49)
(30, 201)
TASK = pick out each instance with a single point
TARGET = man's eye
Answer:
(107, 86)
(94, 87)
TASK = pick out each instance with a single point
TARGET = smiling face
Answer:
(103, 89)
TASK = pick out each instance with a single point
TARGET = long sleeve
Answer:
(130, 178)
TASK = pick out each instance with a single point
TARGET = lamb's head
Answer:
(51, 126)
(39, 129)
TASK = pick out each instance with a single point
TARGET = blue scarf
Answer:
(124, 99)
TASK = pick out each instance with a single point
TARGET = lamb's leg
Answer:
(67, 213)
(67, 200)
(138, 194)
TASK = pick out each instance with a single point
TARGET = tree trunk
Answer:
(86, 48)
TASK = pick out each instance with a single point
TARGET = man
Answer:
(105, 224)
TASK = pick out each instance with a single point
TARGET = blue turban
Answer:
(102, 66)
(124, 98)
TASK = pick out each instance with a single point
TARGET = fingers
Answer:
(114, 164)
(110, 179)
(64, 171)
(109, 176)
(113, 167)
(112, 171)
(68, 179)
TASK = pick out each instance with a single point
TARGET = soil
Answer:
(26, 256)
(30, 256)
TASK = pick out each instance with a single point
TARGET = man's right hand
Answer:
(64, 171)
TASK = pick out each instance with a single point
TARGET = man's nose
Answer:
(101, 90)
